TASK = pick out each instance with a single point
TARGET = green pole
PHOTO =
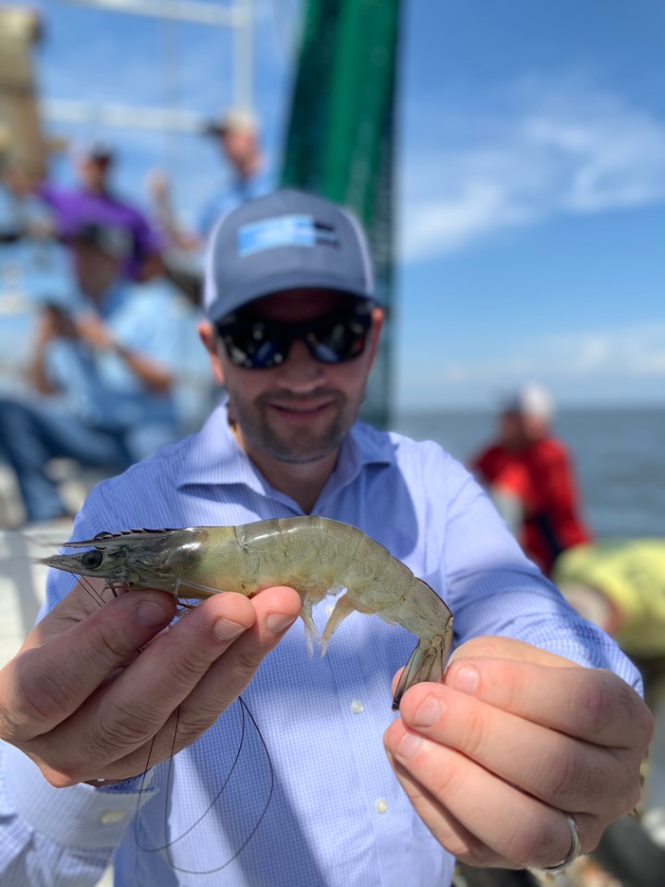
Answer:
(340, 139)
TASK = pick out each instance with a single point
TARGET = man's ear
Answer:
(378, 317)
(212, 345)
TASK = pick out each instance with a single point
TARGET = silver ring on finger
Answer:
(573, 853)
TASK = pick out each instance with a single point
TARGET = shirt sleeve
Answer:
(493, 589)
(156, 325)
(51, 837)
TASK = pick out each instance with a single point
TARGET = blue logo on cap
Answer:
(276, 232)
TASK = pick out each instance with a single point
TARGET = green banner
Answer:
(340, 140)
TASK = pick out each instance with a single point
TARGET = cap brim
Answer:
(284, 283)
(214, 129)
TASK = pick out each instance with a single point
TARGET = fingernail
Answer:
(277, 622)
(410, 745)
(225, 630)
(427, 713)
(150, 614)
(466, 679)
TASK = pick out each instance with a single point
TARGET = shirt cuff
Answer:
(81, 816)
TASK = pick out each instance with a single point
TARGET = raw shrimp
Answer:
(314, 555)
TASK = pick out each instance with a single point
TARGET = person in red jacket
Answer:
(529, 474)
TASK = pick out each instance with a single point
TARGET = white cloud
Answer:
(563, 149)
(576, 365)
(636, 352)
(440, 225)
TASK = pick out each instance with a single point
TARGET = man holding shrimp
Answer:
(521, 757)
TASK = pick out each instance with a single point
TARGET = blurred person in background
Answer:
(529, 475)
(238, 137)
(105, 371)
(92, 201)
(619, 585)
(237, 134)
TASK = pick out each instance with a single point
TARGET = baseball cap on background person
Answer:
(94, 149)
(235, 119)
(532, 400)
(288, 240)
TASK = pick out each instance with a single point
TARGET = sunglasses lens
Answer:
(340, 340)
(257, 344)
(253, 345)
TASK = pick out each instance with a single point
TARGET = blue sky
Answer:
(531, 176)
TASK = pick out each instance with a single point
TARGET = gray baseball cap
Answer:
(288, 240)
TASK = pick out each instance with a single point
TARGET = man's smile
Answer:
(304, 411)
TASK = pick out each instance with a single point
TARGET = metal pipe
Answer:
(181, 10)
(127, 116)
(244, 57)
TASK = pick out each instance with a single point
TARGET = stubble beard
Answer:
(301, 446)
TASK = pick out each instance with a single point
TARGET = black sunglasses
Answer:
(256, 344)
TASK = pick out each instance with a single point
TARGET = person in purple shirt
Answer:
(93, 202)
(520, 757)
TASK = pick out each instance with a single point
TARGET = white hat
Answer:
(531, 400)
(94, 149)
(236, 119)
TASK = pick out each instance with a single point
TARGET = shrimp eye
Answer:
(92, 559)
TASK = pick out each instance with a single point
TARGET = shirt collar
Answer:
(216, 459)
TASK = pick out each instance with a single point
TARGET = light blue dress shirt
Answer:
(318, 785)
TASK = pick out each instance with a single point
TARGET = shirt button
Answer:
(357, 707)
(112, 817)
(381, 806)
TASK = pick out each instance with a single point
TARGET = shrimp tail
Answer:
(311, 631)
(426, 663)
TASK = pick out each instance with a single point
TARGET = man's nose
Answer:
(300, 371)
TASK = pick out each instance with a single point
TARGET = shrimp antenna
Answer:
(92, 591)
(245, 713)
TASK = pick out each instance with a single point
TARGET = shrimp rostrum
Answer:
(314, 555)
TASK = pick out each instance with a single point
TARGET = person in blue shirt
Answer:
(106, 371)
(130, 743)
(237, 136)
(237, 133)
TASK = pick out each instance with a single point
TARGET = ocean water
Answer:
(618, 453)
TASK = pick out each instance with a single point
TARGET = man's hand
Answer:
(158, 184)
(54, 323)
(92, 330)
(514, 740)
(84, 703)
